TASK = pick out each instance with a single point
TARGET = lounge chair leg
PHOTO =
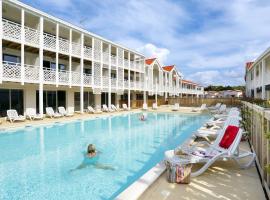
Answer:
(248, 164)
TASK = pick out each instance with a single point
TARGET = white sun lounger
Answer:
(210, 154)
(125, 108)
(154, 106)
(216, 107)
(200, 109)
(145, 106)
(114, 108)
(221, 110)
(32, 115)
(176, 107)
(105, 108)
(50, 112)
(90, 109)
(12, 116)
(63, 112)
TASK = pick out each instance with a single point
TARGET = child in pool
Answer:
(91, 158)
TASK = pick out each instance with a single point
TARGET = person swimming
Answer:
(91, 159)
(143, 117)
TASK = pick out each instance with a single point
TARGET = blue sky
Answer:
(208, 40)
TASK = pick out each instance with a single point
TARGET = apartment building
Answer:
(49, 62)
(257, 77)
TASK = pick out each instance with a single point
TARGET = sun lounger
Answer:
(202, 108)
(216, 107)
(50, 112)
(12, 116)
(106, 109)
(176, 107)
(63, 112)
(32, 115)
(145, 106)
(154, 106)
(226, 146)
(90, 109)
(114, 108)
(125, 108)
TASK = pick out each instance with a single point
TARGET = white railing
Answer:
(76, 49)
(31, 73)
(63, 77)
(105, 57)
(49, 41)
(126, 63)
(87, 52)
(49, 75)
(126, 84)
(63, 45)
(31, 35)
(132, 84)
(113, 60)
(11, 71)
(87, 79)
(11, 30)
(113, 82)
(76, 78)
(132, 65)
(105, 81)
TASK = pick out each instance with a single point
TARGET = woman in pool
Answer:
(143, 117)
(91, 159)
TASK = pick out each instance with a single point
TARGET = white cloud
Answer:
(152, 51)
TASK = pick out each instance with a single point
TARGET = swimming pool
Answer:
(38, 162)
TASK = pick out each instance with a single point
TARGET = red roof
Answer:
(189, 82)
(150, 61)
(168, 68)
(249, 65)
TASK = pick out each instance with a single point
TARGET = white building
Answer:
(49, 62)
(257, 77)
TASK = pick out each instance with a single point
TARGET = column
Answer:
(93, 66)
(70, 58)
(110, 84)
(56, 53)
(128, 80)
(1, 36)
(81, 86)
(156, 91)
(22, 47)
(41, 67)
(262, 79)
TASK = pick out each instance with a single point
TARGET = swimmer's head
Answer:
(91, 148)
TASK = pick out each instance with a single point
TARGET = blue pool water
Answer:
(37, 162)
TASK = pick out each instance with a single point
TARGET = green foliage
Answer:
(267, 135)
(267, 168)
(222, 88)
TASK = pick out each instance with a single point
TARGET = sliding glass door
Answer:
(52, 99)
(11, 99)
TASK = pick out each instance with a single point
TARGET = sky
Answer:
(208, 40)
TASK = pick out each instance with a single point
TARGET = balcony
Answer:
(87, 52)
(31, 36)
(126, 84)
(113, 82)
(76, 49)
(87, 79)
(126, 63)
(12, 71)
(49, 41)
(76, 78)
(49, 76)
(63, 45)
(31, 73)
(113, 60)
(11, 30)
(63, 77)
(105, 57)
(105, 81)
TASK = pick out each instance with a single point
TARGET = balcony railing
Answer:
(49, 75)
(31, 73)
(11, 30)
(76, 49)
(76, 78)
(87, 79)
(87, 52)
(31, 36)
(105, 57)
(63, 77)
(126, 63)
(63, 45)
(113, 82)
(49, 41)
(11, 71)
(113, 60)
(105, 82)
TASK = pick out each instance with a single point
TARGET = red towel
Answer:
(228, 137)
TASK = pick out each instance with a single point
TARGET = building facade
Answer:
(47, 62)
(257, 77)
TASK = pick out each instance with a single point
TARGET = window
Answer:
(87, 70)
(251, 75)
(52, 99)
(52, 65)
(113, 75)
(11, 58)
(11, 99)
(257, 71)
(77, 101)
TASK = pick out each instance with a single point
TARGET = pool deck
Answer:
(223, 180)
